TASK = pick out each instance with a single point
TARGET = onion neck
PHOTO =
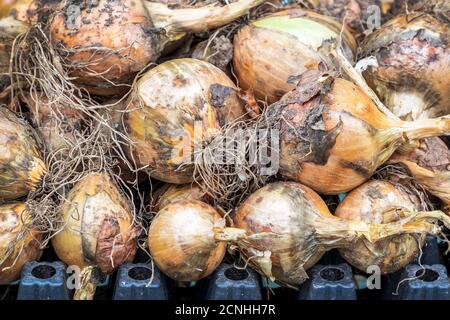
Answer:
(88, 284)
(425, 128)
(339, 233)
(181, 21)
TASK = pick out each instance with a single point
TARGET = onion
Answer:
(21, 166)
(99, 231)
(288, 227)
(374, 202)
(25, 10)
(169, 105)
(413, 59)
(271, 53)
(106, 43)
(171, 193)
(18, 244)
(429, 165)
(182, 240)
(333, 138)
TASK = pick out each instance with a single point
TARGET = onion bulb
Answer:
(106, 43)
(271, 53)
(288, 227)
(429, 165)
(21, 165)
(18, 243)
(333, 138)
(99, 228)
(182, 240)
(25, 10)
(375, 202)
(174, 107)
(171, 193)
(413, 62)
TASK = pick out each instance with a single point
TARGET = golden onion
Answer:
(176, 106)
(182, 240)
(21, 166)
(171, 193)
(18, 243)
(106, 43)
(376, 202)
(99, 228)
(413, 62)
(270, 54)
(288, 227)
(333, 138)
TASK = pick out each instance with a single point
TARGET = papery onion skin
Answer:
(334, 140)
(106, 44)
(26, 10)
(169, 103)
(373, 202)
(414, 59)
(182, 240)
(20, 162)
(429, 165)
(171, 193)
(98, 228)
(24, 241)
(293, 211)
(271, 53)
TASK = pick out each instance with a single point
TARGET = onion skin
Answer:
(20, 164)
(334, 140)
(25, 242)
(171, 193)
(25, 10)
(182, 240)
(414, 58)
(115, 40)
(98, 228)
(271, 53)
(166, 104)
(429, 164)
(371, 203)
(289, 209)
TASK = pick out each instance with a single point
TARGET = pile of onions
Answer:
(282, 229)
(22, 168)
(429, 165)
(288, 227)
(174, 107)
(99, 229)
(270, 54)
(18, 244)
(109, 42)
(184, 240)
(377, 202)
(333, 137)
(413, 62)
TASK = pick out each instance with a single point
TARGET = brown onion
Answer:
(413, 61)
(99, 230)
(169, 104)
(106, 43)
(18, 243)
(288, 227)
(333, 138)
(271, 53)
(429, 165)
(375, 202)
(22, 168)
(182, 240)
(171, 193)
